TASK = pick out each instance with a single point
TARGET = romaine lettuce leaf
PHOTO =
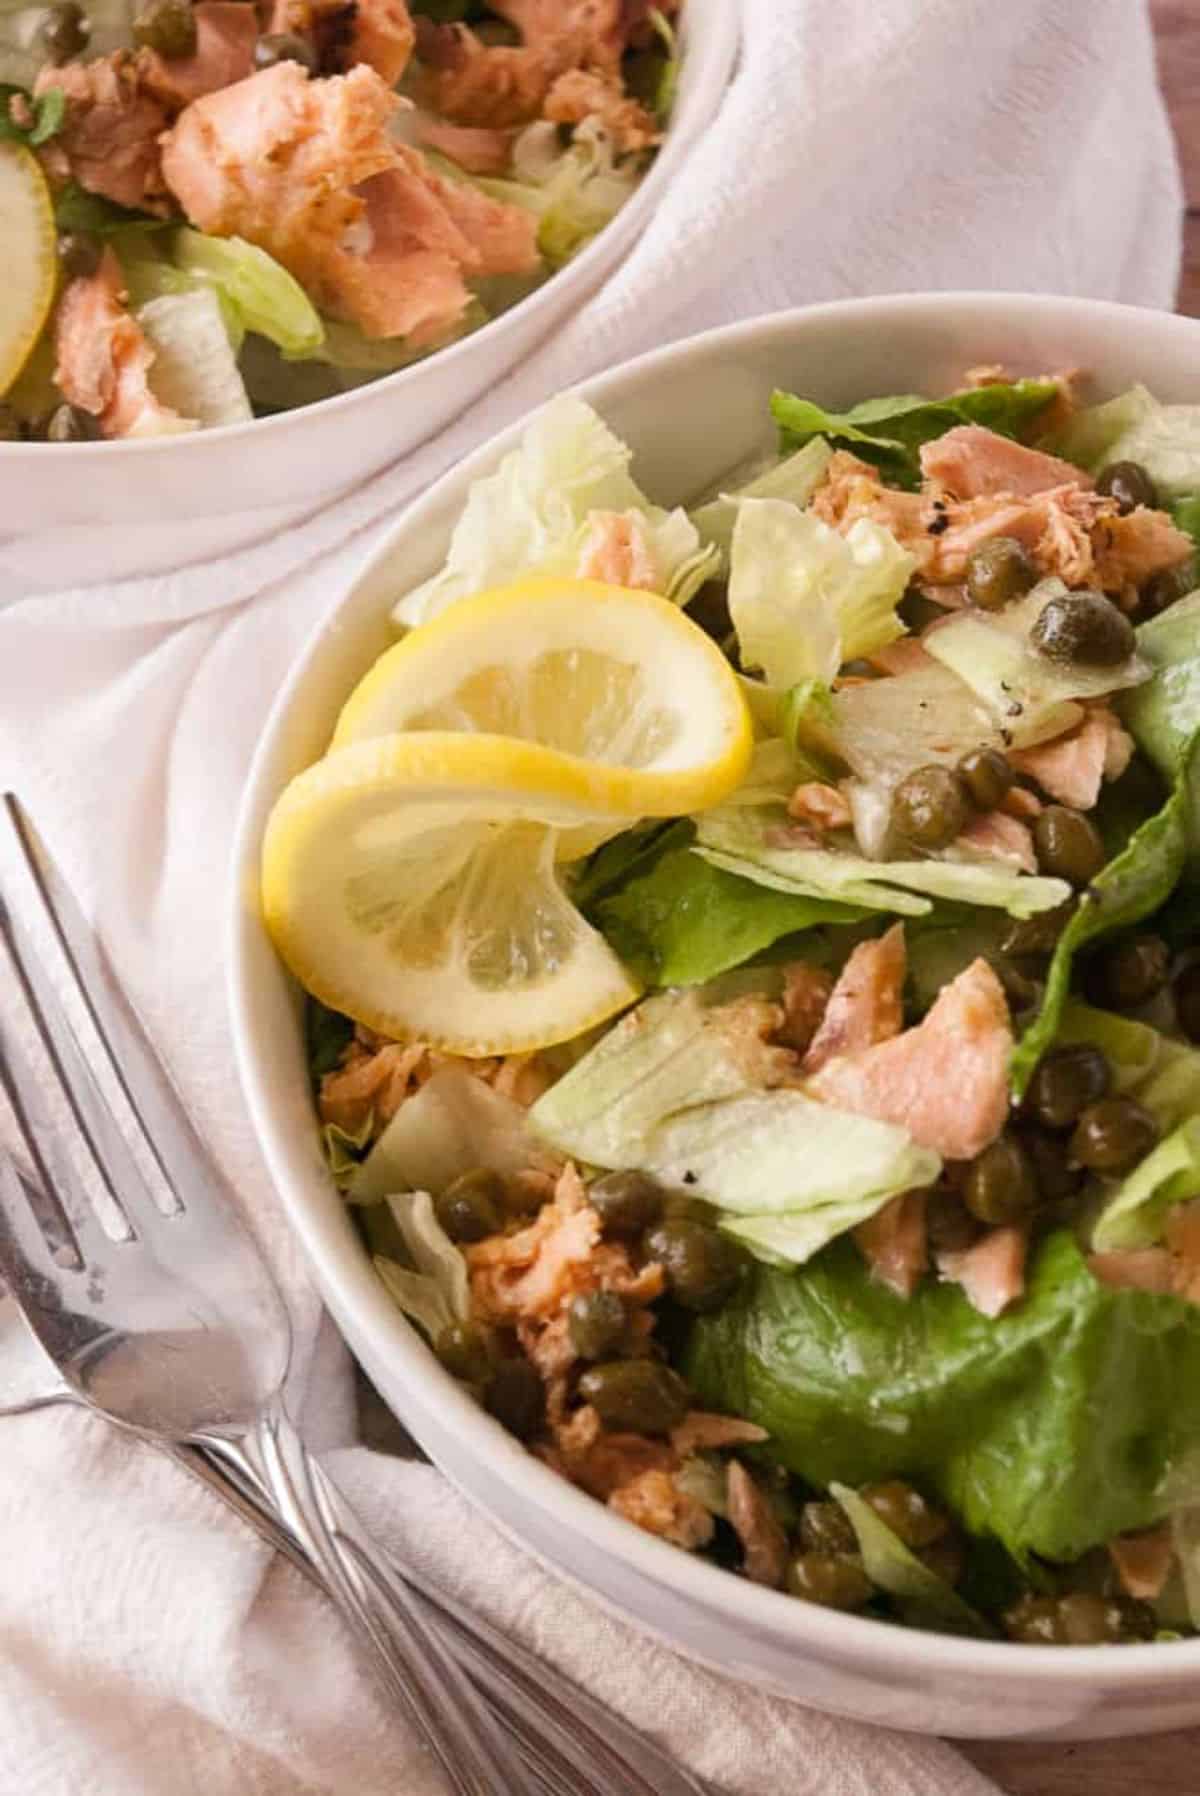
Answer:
(265, 297)
(1130, 887)
(194, 370)
(685, 920)
(1169, 1175)
(794, 478)
(1049, 1427)
(804, 598)
(530, 516)
(630, 855)
(1162, 1073)
(890, 432)
(454, 1123)
(923, 1599)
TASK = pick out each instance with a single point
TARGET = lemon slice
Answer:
(410, 882)
(27, 233)
(621, 679)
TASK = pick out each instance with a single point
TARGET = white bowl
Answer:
(222, 489)
(690, 412)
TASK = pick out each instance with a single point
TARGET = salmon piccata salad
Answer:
(753, 957)
(219, 209)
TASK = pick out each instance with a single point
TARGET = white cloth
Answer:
(146, 1644)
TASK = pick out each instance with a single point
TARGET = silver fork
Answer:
(150, 1296)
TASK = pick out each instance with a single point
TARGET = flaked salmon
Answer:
(945, 1081)
(587, 94)
(476, 148)
(344, 33)
(806, 994)
(866, 1005)
(1000, 837)
(992, 1271)
(763, 1541)
(893, 1243)
(821, 805)
(103, 361)
(1143, 1561)
(617, 549)
(1071, 768)
(109, 139)
(971, 462)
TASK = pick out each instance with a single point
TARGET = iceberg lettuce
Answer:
(454, 1123)
(1169, 1175)
(1165, 439)
(256, 293)
(794, 478)
(530, 516)
(194, 371)
(433, 1290)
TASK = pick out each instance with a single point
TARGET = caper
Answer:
(471, 1206)
(464, 1353)
(167, 26)
(825, 1528)
(626, 1202)
(905, 1511)
(949, 1225)
(636, 1396)
(597, 1324)
(1067, 844)
(1128, 483)
(1057, 1178)
(1000, 1186)
(1161, 591)
(1186, 993)
(71, 424)
(835, 1580)
(285, 46)
(997, 571)
(946, 1557)
(516, 1398)
(79, 254)
(1083, 628)
(987, 776)
(65, 31)
(1113, 1135)
(702, 1266)
(11, 430)
(1129, 972)
(930, 806)
(1079, 1619)
(1065, 1081)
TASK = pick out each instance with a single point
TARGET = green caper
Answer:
(1056, 1177)
(1128, 483)
(11, 430)
(835, 1580)
(597, 1324)
(930, 806)
(1083, 628)
(79, 254)
(949, 1225)
(472, 1205)
(997, 571)
(1000, 1186)
(905, 1511)
(285, 46)
(1113, 1135)
(947, 1557)
(626, 1202)
(1128, 972)
(702, 1266)
(987, 776)
(1067, 844)
(516, 1398)
(1065, 1081)
(636, 1396)
(167, 26)
(65, 31)
(1161, 591)
(825, 1528)
(1186, 993)
(1080, 1618)
(464, 1353)
(71, 424)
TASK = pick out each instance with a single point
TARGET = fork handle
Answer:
(462, 1734)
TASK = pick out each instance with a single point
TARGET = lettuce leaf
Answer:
(685, 920)
(804, 598)
(194, 371)
(1049, 1427)
(264, 296)
(923, 1599)
(890, 432)
(1186, 513)
(432, 1290)
(1130, 887)
(1165, 439)
(1090, 434)
(531, 515)
(794, 478)
(1169, 1175)
(454, 1123)
(1165, 712)
(575, 190)
(1162, 1073)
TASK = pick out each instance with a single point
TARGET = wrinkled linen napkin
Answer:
(148, 1645)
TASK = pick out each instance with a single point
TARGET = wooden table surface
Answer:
(1168, 1765)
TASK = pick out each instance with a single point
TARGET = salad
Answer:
(220, 209)
(753, 956)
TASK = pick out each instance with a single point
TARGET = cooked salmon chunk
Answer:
(865, 1005)
(945, 1081)
(1071, 768)
(109, 140)
(307, 170)
(992, 1272)
(893, 1243)
(973, 463)
(226, 33)
(103, 360)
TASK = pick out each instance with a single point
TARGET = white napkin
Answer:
(147, 1644)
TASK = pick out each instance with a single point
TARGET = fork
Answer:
(149, 1294)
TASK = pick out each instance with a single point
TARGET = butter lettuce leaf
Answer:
(1050, 1427)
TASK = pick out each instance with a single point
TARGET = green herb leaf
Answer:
(1186, 513)
(1049, 1427)
(46, 112)
(76, 209)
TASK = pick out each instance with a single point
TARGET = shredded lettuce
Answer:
(454, 1123)
(433, 1291)
(1169, 1175)
(1164, 713)
(530, 516)
(343, 1150)
(264, 296)
(1165, 439)
(883, 729)
(574, 191)
(804, 597)
(794, 478)
(923, 1599)
(194, 370)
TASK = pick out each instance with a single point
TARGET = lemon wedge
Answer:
(27, 233)
(621, 679)
(409, 881)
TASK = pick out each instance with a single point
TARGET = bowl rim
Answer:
(865, 1642)
(716, 54)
